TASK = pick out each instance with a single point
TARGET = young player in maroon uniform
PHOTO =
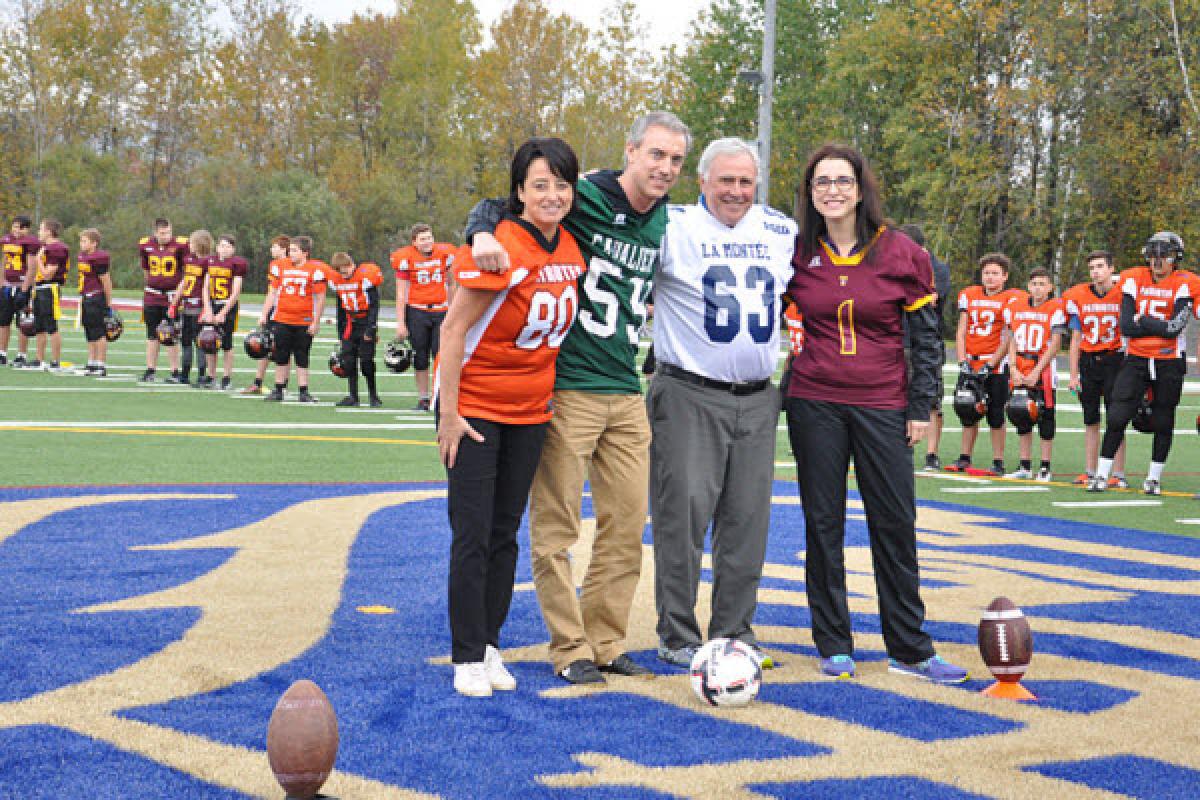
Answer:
(19, 248)
(222, 288)
(162, 257)
(187, 305)
(95, 298)
(52, 263)
(857, 283)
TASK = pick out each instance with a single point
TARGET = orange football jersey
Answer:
(352, 291)
(426, 274)
(1032, 328)
(985, 320)
(296, 289)
(508, 363)
(1099, 317)
(1155, 299)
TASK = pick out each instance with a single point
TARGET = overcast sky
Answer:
(666, 21)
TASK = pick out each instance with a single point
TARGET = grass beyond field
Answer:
(77, 430)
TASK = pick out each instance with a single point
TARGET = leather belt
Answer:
(743, 388)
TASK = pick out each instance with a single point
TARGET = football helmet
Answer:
(113, 325)
(1164, 244)
(399, 355)
(1143, 417)
(26, 323)
(259, 343)
(167, 332)
(1023, 408)
(208, 339)
(970, 397)
(336, 365)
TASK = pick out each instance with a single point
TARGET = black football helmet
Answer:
(970, 397)
(1023, 408)
(336, 365)
(399, 355)
(1164, 244)
(208, 339)
(26, 323)
(167, 332)
(113, 326)
(1143, 417)
(259, 343)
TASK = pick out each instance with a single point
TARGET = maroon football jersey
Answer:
(54, 254)
(853, 309)
(221, 272)
(15, 250)
(194, 269)
(163, 265)
(91, 267)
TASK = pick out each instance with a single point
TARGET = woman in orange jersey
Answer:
(493, 387)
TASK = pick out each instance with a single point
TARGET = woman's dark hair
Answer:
(869, 214)
(560, 158)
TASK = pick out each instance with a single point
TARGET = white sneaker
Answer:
(1021, 474)
(1097, 484)
(1044, 476)
(472, 680)
(1151, 486)
(497, 674)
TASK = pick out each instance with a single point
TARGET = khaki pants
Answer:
(605, 438)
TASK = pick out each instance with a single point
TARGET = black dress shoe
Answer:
(347, 402)
(624, 665)
(582, 671)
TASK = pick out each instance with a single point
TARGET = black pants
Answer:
(292, 341)
(824, 436)
(92, 316)
(424, 332)
(1165, 378)
(358, 355)
(488, 491)
(46, 308)
(189, 327)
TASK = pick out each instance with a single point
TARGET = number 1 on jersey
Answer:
(845, 318)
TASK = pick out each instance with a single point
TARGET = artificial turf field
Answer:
(174, 558)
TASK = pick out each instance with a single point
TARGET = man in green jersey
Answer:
(599, 431)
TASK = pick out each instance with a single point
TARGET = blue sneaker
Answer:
(839, 667)
(935, 670)
(681, 657)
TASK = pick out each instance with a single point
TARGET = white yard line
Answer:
(993, 489)
(1106, 503)
(190, 424)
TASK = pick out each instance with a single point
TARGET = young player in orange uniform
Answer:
(422, 270)
(1037, 324)
(1156, 304)
(1094, 317)
(495, 384)
(297, 296)
(981, 347)
(357, 288)
(279, 262)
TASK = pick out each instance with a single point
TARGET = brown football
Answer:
(1005, 640)
(302, 739)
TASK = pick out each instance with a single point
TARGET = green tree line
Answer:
(1040, 129)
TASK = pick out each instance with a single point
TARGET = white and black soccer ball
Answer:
(726, 673)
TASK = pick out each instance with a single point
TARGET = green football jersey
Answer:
(621, 248)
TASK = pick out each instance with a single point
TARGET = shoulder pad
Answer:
(181, 240)
(144, 240)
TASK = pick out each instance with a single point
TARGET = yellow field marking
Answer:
(375, 610)
(214, 435)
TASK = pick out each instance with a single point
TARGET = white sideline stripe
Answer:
(1012, 613)
(941, 476)
(345, 426)
(1191, 521)
(993, 489)
(1107, 503)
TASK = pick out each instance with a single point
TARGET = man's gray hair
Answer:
(658, 119)
(729, 146)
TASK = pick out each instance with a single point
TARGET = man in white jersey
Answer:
(713, 411)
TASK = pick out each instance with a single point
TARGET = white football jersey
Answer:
(717, 290)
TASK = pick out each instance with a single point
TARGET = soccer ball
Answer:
(726, 673)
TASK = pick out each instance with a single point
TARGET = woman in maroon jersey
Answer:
(858, 283)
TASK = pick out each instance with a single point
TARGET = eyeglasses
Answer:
(842, 182)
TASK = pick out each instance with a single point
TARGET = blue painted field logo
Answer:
(149, 633)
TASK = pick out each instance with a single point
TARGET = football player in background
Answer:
(279, 249)
(1036, 324)
(187, 304)
(1156, 304)
(421, 270)
(222, 289)
(982, 347)
(357, 288)
(1094, 316)
(95, 298)
(295, 300)
(53, 261)
(19, 248)
(161, 257)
